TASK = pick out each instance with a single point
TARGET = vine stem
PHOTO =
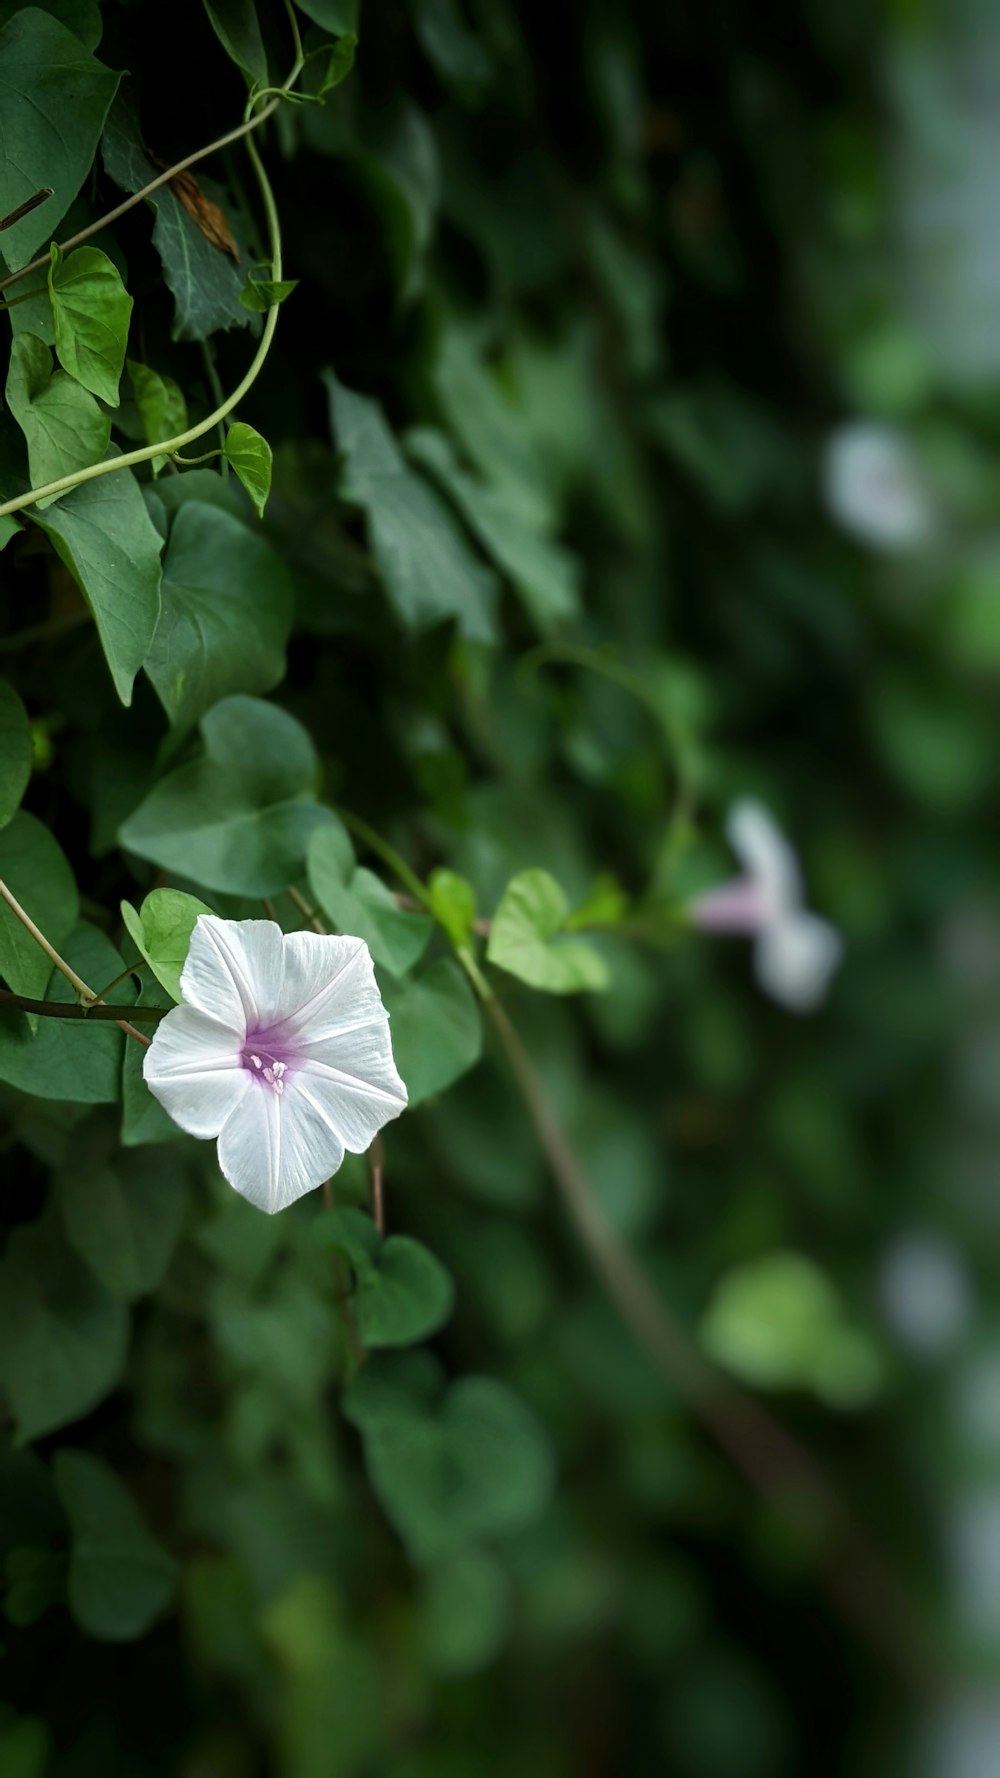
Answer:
(70, 1009)
(857, 1577)
(859, 1581)
(167, 446)
(90, 999)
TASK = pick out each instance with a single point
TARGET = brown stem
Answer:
(857, 1577)
(95, 1012)
(306, 911)
(89, 998)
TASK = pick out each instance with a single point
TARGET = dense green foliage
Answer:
(460, 630)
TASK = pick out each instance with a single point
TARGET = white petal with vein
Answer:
(193, 1067)
(234, 970)
(272, 1150)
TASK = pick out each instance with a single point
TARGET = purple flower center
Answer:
(267, 1055)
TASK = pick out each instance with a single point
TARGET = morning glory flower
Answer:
(795, 952)
(875, 489)
(281, 1050)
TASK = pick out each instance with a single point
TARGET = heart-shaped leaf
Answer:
(402, 1293)
(525, 938)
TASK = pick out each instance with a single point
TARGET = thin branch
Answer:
(89, 998)
(856, 1574)
(309, 914)
(72, 1009)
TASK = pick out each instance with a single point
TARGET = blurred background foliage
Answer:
(612, 277)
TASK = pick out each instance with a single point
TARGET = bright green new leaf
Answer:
(402, 1293)
(252, 458)
(111, 547)
(358, 902)
(161, 405)
(429, 570)
(62, 1337)
(91, 309)
(450, 1466)
(453, 901)
(15, 751)
(120, 1578)
(435, 1026)
(525, 938)
(260, 294)
(123, 1214)
(778, 1323)
(78, 1062)
(226, 613)
(54, 98)
(64, 429)
(237, 818)
(161, 931)
(33, 866)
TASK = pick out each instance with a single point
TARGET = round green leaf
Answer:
(435, 1026)
(403, 1294)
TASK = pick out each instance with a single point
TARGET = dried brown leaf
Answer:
(208, 217)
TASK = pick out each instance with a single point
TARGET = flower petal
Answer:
(354, 1078)
(329, 985)
(273, 1149)
(234, 971)
(764, 851)
(194, 1067)
(795, 958)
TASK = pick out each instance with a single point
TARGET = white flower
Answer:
(795, 951)
(875, 489)
(281, 1049)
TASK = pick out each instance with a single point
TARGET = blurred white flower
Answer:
(281, 1050)
(795, 952)
(875, 489)
(925, 1294)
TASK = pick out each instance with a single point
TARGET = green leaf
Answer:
(450, 1466)
(205, 283)
(336, 16)
(76, 1062)
(525, 938)
(339, 63)
(453, 901)
(465, 1612)
(35, 871)
(25, 1747)
(429, 571)
(252, 459)
(237, 27)
(402, 1293)
(144, 1120)
(82, 17)
(546, 576)
(778, 1323)
(63, 427)
(15, 752)
(111, 547)
(260, 294)
(435, 1027)
(226, 613)
(161, 932)
(358, 902)
(63, 1339)
(54, 98)
(9, 527)
(456, 54)
(120, 1578)
(91, 309)
(239, 817)
(123, 1214)
(492, 431)
(161, 405)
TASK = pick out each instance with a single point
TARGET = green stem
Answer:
(167, 446)
(388, 854)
